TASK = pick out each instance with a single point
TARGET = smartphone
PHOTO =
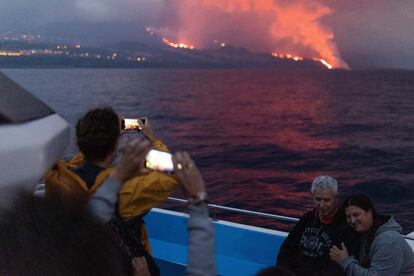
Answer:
(159, 161)
(133, 123)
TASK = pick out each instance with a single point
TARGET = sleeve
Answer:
(289, 250)
(77, 160)
(141, 193)
(386, 260)
(159, 145)
(201, 242)
(103, 203)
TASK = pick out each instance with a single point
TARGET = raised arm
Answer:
(103, 202)
(201, 234)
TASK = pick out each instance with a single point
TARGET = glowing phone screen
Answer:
(160, 161)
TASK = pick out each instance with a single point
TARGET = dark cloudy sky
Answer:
(368, 33)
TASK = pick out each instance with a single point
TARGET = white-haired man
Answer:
(306, 249)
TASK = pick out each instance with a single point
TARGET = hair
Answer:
(49, 237)
(97, 133)
(362, 201)
(324, 182)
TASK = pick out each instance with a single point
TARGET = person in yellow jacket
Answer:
(97, 135)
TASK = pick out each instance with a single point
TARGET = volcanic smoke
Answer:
(273, 26)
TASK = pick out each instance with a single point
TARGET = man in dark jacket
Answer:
(306, 249)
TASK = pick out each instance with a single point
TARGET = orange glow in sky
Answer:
(275, 26)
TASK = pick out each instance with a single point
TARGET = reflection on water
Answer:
(260, 137)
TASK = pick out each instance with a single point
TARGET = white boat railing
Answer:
(215, 207)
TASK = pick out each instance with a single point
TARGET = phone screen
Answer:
(131, 124)
(160, 161)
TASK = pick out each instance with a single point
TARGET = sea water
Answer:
(261, 136)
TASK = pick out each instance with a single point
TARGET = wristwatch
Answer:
(197, 198)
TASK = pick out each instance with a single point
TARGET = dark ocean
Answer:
(261, 136)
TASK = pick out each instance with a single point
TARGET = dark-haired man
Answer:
(97, 135)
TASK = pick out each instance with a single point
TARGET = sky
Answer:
(348, 33)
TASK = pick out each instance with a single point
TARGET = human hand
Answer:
(140, 266)
(188, 175)
(121, 131)
(337, 254)
(133, 161)
(147, 131)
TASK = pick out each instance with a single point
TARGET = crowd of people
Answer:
(91, 219)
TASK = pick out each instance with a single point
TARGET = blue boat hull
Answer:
(240, 249)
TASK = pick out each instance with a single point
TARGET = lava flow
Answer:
(299, 58)
(177, 45)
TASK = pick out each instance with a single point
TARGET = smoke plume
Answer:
(282, 26)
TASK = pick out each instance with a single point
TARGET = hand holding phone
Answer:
(190, 178)
(137, 124)
(159, 161)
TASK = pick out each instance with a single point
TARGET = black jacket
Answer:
(306, 249)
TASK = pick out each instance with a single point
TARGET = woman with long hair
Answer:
(383, 250)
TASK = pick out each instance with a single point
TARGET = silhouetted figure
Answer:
(50, 237)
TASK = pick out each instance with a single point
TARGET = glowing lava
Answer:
(287, 56)
(294, 27)
(177, 45)
(324, 62)
(298, 58)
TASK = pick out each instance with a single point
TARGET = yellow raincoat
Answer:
(137, 196)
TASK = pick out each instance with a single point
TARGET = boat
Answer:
(240, 249)
(24, 119)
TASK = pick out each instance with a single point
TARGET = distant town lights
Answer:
(9, 54)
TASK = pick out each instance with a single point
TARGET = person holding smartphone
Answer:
(97, 135)
(201, 234)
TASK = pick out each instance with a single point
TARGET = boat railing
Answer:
(214, 207)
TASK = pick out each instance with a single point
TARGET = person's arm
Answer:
(201, 234)
(103, 202)
(289, 250)
(387, 259)
(148, 133)
(200, 242)
(140, 194)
